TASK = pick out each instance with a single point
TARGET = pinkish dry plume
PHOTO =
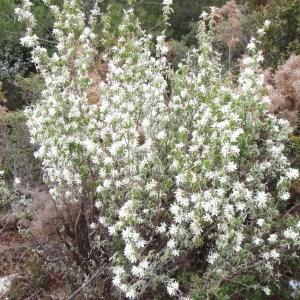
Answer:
(229, 24)
(284, 89)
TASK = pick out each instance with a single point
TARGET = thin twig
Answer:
(84, 285)
(30, 297)
(290, 210)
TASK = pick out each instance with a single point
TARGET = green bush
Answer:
(14, 58)
(30, 87)
(283, 37)
(6, 196)
(17, 157)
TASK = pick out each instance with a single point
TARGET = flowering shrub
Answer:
(168, 162)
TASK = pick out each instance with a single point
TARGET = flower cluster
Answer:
(172, 161)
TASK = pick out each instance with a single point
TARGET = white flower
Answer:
(160, 39)
(289, 233)
(267, 24)
(106, 183)
(266, 255)
(164, 50)
(98, 204)
(17, 181)
(171, 244)
(292, 174)
(261, 31)
(108, 160)
(266, 290)
(251, 45)
(167, 2)
(180, 178)
(247, 60)
(119, 271)
(117, 281)
(161, 135)
(260, 222)
(261, 199)
(225, 149)
(285, 196)
(29, 41)
(130, 253)
(184, 93)
(131, 294)
(172, 287)
(112, 230)
(272, 238)
(93, 225)
(174, 230)
(231, 167)
(274, 254)
(257, 241)
(212, 257)
(144, 264)
(5, 284)
(162, 228)
(204, 14)
(294, 284)
(138, 271)
(125, 210)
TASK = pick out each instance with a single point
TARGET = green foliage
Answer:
(149, 13)
(30, 87)
(186, 12)
(6, 196)
(283, 37)
(234, 289)
(18, 153)
(11, 53)
(22, 90)
(14, 58)
(294, 146)
(35, 279)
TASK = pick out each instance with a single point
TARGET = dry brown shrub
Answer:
(284, 89)
(97, 74)
(228, 24)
